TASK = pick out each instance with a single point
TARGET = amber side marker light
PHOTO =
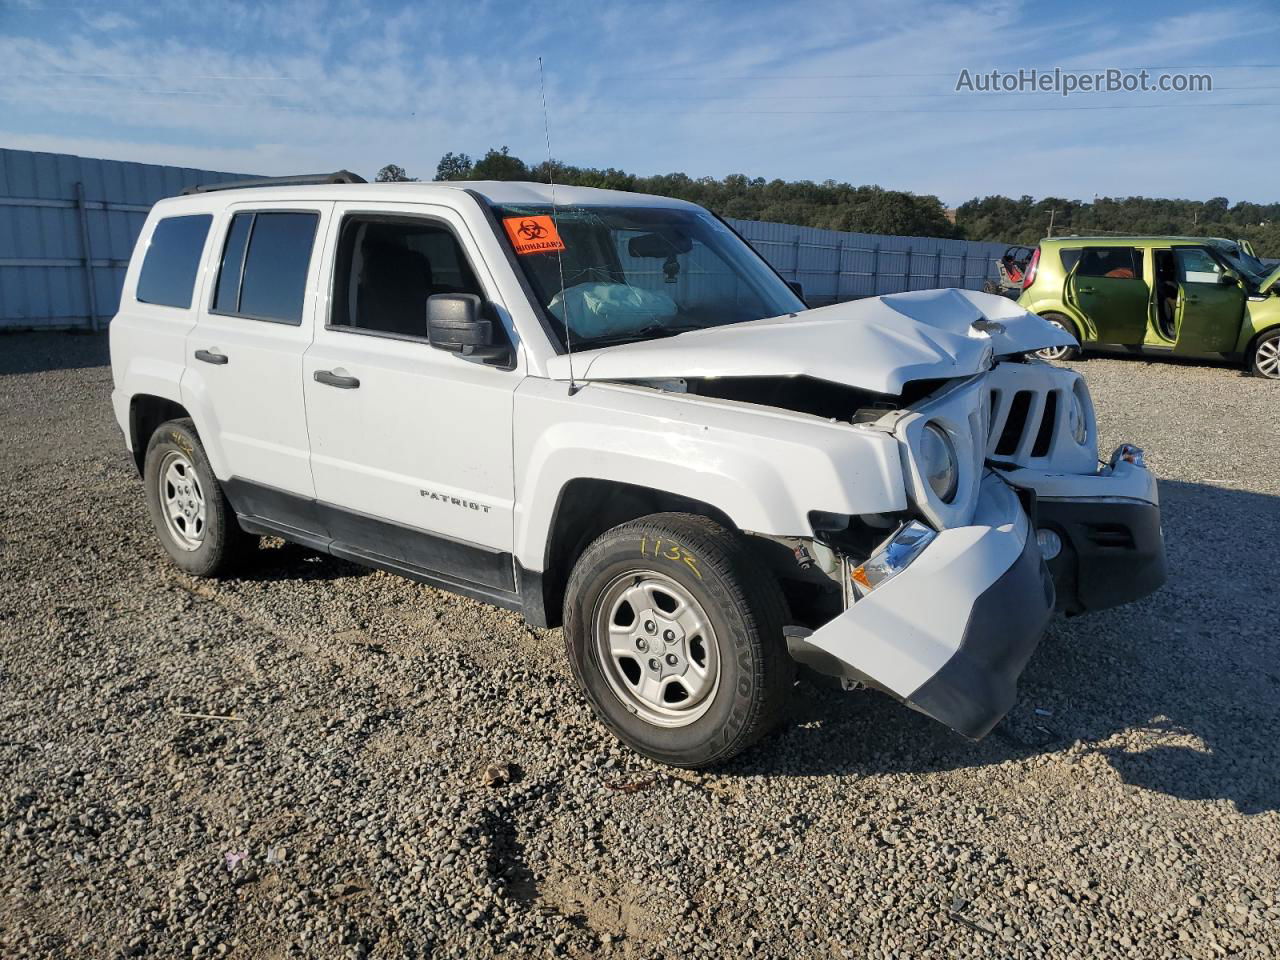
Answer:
(892, 557)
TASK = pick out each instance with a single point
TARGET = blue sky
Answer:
(856, 91)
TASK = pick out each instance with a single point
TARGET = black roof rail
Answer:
(301, 180)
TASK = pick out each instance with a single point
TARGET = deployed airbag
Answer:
(610, 309)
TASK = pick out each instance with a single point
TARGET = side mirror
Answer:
(797, 288)
(455, 323)
(1228, 280)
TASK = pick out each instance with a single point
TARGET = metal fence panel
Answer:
(833, 266)
(68, 225)
(67, 229)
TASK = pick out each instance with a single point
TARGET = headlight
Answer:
(1077, 419)
(938, 462)
(891, 557)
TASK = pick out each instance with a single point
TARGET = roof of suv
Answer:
(493, 191)
(1132, 241)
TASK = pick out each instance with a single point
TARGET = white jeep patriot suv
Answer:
(606, 411)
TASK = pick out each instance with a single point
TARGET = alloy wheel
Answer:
(182, 500)
(1267, 358)
(1056, 353)
(657, 648)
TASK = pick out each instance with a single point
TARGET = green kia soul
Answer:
(1188, 296)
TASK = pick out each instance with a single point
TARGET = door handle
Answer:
(1192, 299)
(1086, 290)
(329, 378)
(212, 356)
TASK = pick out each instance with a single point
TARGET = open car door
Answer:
(1210, 304)
(1107, 286)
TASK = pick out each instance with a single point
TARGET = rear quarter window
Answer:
(1069, 256)
(172, 260)
(1116, 263)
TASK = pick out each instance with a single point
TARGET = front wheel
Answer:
(675, 636)
(1264, 359)
(1064, 352)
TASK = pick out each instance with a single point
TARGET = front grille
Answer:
(1022, 423)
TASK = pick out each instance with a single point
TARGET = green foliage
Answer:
(1026, 220)
(870, 209)
(393, 173)
(453, 166)
(837, 206)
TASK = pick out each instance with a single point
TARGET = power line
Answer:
(908, 96)
(949, 73)
(836, 113)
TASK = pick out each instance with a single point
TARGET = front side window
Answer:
(1197, 266)
(1118, 263)
(263, 275)
(387, 268)
(173, 258)
(635, 273)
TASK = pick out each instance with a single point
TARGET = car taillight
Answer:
(1029, 277)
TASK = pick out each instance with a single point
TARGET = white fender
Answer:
(766, 469)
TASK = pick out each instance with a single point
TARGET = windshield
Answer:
(635, 273)
(1254, 270)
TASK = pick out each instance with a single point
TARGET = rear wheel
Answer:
(675, 637)
(1264, 359)
(1065, 352)
(192, 517)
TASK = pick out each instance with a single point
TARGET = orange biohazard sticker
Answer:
(533, 234)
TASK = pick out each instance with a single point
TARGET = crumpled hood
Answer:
(1271, 279)
(877, 344)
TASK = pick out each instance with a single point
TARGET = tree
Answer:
(500, 165)
(393, 173)
(836, 205)
(453, 166)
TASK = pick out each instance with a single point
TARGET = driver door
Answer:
(1210, 306)
(1107, 286)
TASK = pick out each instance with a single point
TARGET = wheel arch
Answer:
(146, 413)
(586, 508)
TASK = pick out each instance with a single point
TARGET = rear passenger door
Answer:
(410, 445)
(1107, 286)
(244, 355)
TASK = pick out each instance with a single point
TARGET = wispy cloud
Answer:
(855, 91)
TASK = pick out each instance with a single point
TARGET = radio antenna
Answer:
(551, 178)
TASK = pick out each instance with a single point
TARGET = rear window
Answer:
(265, 259)
(1117, 263)
(173, 257)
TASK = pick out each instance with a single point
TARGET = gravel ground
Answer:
(293, 763)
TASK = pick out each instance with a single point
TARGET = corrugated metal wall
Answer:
(834, 266)
(59, 213)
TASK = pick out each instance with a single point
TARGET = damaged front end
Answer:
(946, 609)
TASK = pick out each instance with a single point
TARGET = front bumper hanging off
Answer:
(951, 633)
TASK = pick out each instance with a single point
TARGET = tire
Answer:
(733, 670)
(192, 517)
(1060, 353)
(1264, 357)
